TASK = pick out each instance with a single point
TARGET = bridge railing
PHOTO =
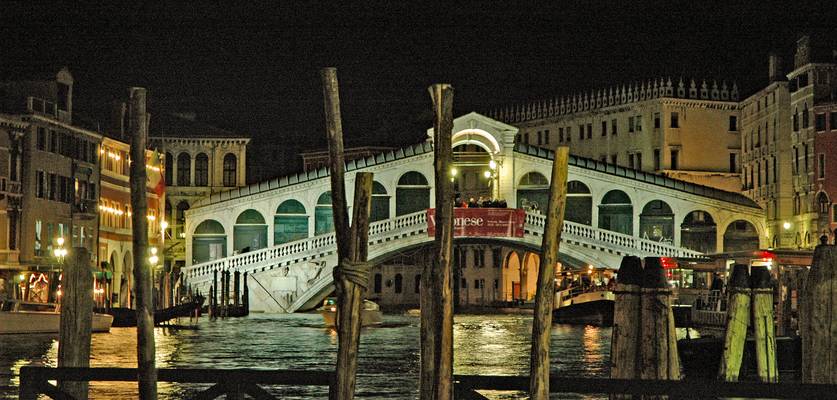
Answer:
(416, 222)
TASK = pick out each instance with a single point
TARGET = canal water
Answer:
(388, 361)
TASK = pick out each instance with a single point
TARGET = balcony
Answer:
(84, 209)
(43, 107)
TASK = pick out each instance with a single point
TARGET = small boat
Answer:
(370, 313)
(574, 306)
(26, 317)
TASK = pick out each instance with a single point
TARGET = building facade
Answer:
(825, 170)
(200, 160)
(687, 131)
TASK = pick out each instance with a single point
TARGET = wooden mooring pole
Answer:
(818, 324)
(659, 358)
(436, 279)
(624, 353)
(76, 318)
(236, 289)
(245, 296)
(738, 317)
(147, 368)
(763, 325)
(545, 293)
(351, 276)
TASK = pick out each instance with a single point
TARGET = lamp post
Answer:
(492, 175)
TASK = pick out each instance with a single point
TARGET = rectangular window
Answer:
(819, 122)
(53, 183)
(464, 283)
(805, 150)
(526, 137)
(821, 166)
(733, 123)
(656, 159)
(540, 138)
(639, 161)
(476, 283)
(613, 127)
(569, 134)
(613, 159)
(638, 122)
(581, 132)
(796, 160)
(630, 124)
(604, 128)
(54, 138)
(656, 120)
(834, 213)
(675, 120)
(38, 247)
(589, 131)
(41, 141)
(40, 184)
(674, 159)
(733, 162)
(833, 121)
(560, 135)
(775, 171)
(496, 257)
(546, 136)
(630, 160)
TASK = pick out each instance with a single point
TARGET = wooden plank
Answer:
(76, 318)
(738, 317)
(545, 292)
(142, 271)
(437, 286)
(763, 325)
(624, 353)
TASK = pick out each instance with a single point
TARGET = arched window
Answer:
(323, 216)
(399, 283)
(805, 116)
(377, 283)
(380, 203)
(290, 222)
(201, 170)
(533, 191)
(184, 169)
(169, 169)
(657, 222)
(616, 212)
(229, 170)
(209, 242)
(822, 202)
(741, 235)
(250, 231)
(698, 232)
(579, 203)
(412, 193)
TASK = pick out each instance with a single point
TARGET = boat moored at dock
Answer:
(26, 317)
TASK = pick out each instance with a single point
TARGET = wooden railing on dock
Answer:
(466, 387)
(233, 383)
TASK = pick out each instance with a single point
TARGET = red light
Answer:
(668, 262)
(765, 255)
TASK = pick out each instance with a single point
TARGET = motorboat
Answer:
(584, 307)
(18, 317)
(370, 313)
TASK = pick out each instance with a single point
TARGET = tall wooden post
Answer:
(76, 318)
(245, 296)
(147, 368)
(436, 280)
(624, 353)
(818, 324)
(658, 359)
(763, 325)
(213, 296)
(738, 316)
(236, 289)
(352, 274)
(545, 293)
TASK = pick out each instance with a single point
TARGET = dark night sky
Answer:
(254, 69)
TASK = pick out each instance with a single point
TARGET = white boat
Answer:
(370, 313)
(24, 317)
(574, 306)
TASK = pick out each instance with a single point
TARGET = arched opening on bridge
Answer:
(698, 232)
(380, 203)
(209, 242)
(533, 192)
(290, 222)
(579, 203)
(249, 232)
(125, 291)
(529, 276)
(656, 222)
(511, 277)
(323, 219)
(412, 193)
(741, 235)
(472, 161)
(616, 213)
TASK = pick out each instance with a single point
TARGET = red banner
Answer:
(482, 222)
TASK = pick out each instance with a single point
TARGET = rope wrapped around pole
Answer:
(356, 272)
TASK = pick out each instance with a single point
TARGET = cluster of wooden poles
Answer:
(351, 275)
(238, 305)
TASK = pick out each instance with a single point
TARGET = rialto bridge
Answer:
(281, 231)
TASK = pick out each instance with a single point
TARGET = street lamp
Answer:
(60, 252)
(153, 259)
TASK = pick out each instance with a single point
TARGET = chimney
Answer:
(775, 67)
(803, 52)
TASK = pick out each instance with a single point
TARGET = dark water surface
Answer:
(388, 361)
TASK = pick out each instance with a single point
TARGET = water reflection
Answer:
(388, 358)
